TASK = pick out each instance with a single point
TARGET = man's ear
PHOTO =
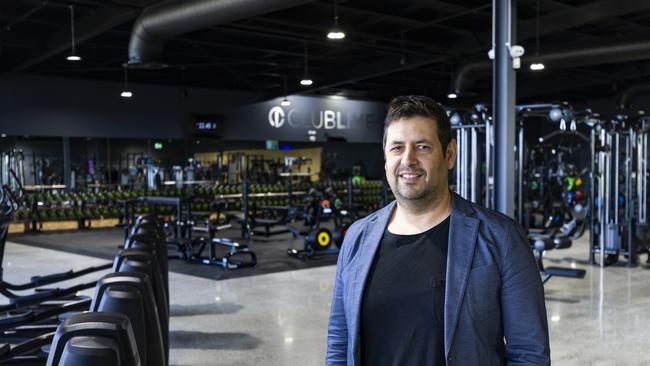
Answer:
(451, 154)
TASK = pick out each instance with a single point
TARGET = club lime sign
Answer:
(276, 117)
(327, 119)
(307, 119)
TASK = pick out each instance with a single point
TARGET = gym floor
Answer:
(281, 318)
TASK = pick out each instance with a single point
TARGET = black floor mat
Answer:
(102, 243)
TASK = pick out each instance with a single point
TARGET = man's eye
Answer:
(423, 147)
(396, 148)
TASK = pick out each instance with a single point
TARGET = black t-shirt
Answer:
(403, 305)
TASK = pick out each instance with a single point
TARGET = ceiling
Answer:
(392, 47)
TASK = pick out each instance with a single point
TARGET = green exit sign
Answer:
(158, 145)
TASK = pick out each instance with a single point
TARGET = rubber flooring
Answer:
(103, 243)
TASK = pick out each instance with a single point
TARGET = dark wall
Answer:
(40, 106)
(307, 119)
(90, 112)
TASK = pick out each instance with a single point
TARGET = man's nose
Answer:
(408, 158)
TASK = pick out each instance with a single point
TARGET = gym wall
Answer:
(46, 106)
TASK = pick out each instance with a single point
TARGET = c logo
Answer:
(276, 117)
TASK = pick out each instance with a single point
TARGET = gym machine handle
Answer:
(155, 200)
(26, 348)
(32, 316)
(7, 208)
(37, 297)
(16, 198)
(21, 191)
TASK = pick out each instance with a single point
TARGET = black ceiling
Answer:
(392, 46)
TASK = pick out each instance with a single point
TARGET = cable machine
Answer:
(474, 170)
(619, 223)
(13, 160)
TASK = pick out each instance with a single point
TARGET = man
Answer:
(433, 279)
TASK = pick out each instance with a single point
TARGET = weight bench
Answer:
(239, 254)
(269, 224)
(547, 242)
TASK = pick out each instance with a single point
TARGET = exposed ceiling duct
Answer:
(162, 21)
(560, 59)
(629, 94)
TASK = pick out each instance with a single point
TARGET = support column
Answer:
(503, 100)
(67, 175)
(108, 163)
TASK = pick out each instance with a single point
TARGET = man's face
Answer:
(416, 167)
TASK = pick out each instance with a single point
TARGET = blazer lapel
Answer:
(375, 230)
(463, 230)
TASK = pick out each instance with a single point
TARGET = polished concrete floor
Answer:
(281, 318)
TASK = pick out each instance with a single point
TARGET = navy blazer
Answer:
(494, 299)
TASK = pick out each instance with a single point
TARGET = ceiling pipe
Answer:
(560, 59)
(629, 94)
(171, 18)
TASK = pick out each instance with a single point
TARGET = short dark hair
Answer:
(408, 106)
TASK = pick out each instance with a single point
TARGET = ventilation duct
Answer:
(561, 59)
(168, 19)
(629, 94)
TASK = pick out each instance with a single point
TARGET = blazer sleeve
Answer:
(337, 333)
(522, 304)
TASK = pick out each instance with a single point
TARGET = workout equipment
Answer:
(12, 165)
(137, 290)
(186, 223)
(131, 294)
(98, 339)
(146, 262)
(549, 185)
(9, 201)
(239, 254)
(541, 242)
(317, 212)
(553, 201)
(474, 170)
(619, 224)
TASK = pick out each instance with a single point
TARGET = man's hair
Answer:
(408, 106)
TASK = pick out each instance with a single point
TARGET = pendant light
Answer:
(306, 80)
(537, 65)
(336, 32)
(126, 93)
(285, 101)
(73, 53)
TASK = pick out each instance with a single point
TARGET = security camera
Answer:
(516, 51)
